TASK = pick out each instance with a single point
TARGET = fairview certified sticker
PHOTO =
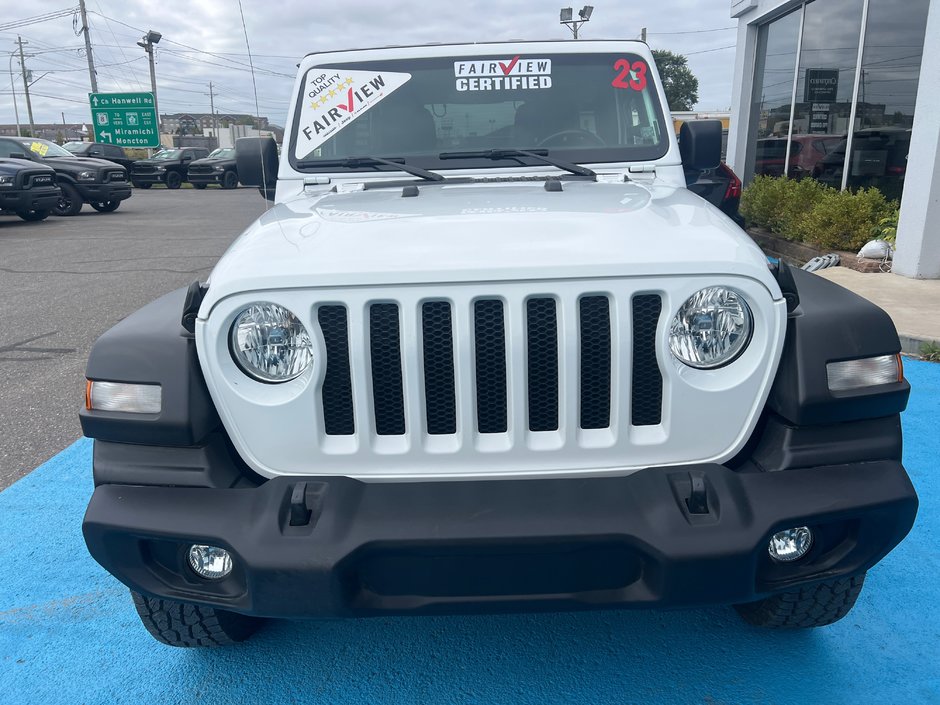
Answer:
(513, 73)
(333, 98)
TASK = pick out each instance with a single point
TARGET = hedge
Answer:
(805, 210)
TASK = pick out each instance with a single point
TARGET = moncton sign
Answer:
(125, 119)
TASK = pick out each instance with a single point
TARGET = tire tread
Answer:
(188, 625)
(811, 606)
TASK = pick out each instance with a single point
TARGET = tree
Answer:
(680, 83)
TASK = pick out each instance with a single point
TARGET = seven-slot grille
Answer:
(200, 169)
(542, 332)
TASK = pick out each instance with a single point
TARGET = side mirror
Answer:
(700, 144)
(256, 160)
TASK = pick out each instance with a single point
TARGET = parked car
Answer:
(879, 159)
(720, 186)
(218, 168)
(100, 150)
(806, 151)
(488, 352)
(170, 167)
(99, 183)
(27, 189)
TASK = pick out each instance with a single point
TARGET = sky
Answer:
(204, 41)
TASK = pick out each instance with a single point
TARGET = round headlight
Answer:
(270, 343)
(711, 328)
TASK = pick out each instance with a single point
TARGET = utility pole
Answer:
(29, 105)
(215, 122)
(150, 39)
(643, 34)
(91, 59)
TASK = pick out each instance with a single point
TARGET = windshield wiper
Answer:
(356, 162)
(540, 154)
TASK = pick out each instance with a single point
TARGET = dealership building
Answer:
(846, 92)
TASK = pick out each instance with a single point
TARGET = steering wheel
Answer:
(572, 138)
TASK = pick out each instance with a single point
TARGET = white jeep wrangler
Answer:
(488, 352)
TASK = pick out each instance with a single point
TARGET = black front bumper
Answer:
(33, 199)
(102, 193)
(215, 177)
(372, 548)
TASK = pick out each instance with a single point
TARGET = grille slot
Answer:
(385, 346)
(542, 364)
(595, 361)
(647, 389)
(490, 354)
(438, 347)
(337, 386)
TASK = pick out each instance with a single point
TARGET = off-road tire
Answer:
(70, 202)
(33, 216)
(145, 186)
(173, 180)
(200, 187)
(230, 180)
(185, 624)
(105, 206)
(812, 606)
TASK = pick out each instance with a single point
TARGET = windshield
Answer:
(169, 154)
(580, 107)
(44, 148)
(76, 147)
(222, 153)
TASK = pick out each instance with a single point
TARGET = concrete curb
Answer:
(910, 344)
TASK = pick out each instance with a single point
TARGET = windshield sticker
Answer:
(39, 148)
(333, 98)
(632, 76)
(514, 73)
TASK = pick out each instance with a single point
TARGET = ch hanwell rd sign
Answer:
(125, 119)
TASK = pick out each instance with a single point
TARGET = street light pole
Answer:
(16, 110)
(150, 39)
(567, 17)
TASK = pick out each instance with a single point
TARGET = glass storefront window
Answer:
(894, 45)
(825, 93)
(773, 92)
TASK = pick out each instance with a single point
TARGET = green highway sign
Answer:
(125, 119)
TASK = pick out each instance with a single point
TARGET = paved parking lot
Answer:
(65, 281)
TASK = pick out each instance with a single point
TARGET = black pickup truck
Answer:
(100, 183)
(100, 150)
(169, 167)
(26, 189)
(218, 168)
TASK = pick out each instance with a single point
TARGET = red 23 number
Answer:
(625, 80)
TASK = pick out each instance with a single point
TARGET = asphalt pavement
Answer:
(69, 634)
(65, 281)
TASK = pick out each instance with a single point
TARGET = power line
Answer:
(696, 31)
(37, 19)
(705, 51)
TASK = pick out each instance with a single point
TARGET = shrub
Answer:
(807, 211)
(843, 220)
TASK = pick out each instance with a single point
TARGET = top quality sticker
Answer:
(512, 74)
(333, 98)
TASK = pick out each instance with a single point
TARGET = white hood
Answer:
(485, 231)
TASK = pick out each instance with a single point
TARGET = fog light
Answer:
(210, 562)
(790, 545)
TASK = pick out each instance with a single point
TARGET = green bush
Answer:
(843, 220)
(806, 211)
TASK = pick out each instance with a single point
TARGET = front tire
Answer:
(230, 180)
(173, 180)
(105, 206)
(187, 625)
(70, 202)
(33, 216)
(812, 606)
